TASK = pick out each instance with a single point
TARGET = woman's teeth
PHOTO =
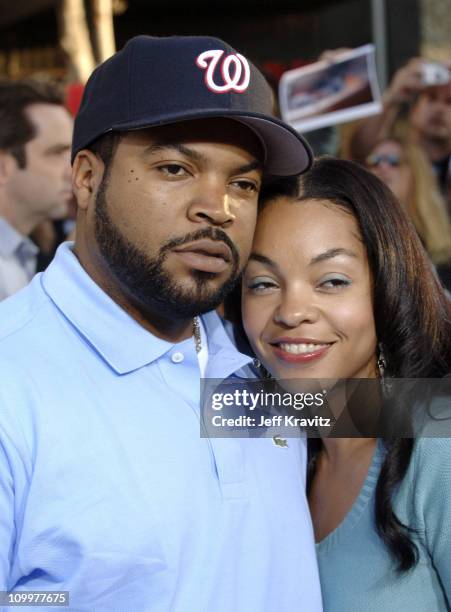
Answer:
(299, 349)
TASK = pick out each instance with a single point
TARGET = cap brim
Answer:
(287, 153)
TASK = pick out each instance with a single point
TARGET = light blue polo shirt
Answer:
(107, 489)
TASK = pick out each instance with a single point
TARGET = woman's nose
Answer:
(296, 307)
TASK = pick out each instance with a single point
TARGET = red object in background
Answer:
(298, 63)
(74, 93)
(273, 70)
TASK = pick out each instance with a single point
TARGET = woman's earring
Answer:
(381, 362)
(261, 369)
(382, 367)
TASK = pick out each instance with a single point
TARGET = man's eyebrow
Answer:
(254, 165)
(157, 147)
(58, 148)
(330, 253)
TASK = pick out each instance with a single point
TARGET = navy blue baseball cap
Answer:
(156, 81)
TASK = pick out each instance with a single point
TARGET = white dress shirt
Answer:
(18, 257)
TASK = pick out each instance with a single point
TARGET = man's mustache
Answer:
(214, 234)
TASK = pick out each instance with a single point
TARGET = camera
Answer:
(433, 73)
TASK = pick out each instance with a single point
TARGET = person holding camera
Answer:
(422, 89)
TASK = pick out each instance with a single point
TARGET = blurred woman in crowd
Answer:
(401, 165)
(338, 286)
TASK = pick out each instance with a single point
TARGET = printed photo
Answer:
(326, 93)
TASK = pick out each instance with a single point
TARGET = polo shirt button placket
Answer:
(177, 357)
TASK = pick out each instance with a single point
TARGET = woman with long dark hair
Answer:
(338, 286)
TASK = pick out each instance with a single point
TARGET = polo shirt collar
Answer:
(112, 332)
(223, 357)
(109, 329)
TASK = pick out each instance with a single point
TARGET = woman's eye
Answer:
(172, 170)
(261, 285)
(334, 283)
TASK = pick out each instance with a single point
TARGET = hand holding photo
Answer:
(331, 91)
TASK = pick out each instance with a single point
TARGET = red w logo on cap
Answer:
(236, 80)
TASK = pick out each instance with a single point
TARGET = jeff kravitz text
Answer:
(272, 421)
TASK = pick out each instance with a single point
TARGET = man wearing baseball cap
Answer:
(110, 497)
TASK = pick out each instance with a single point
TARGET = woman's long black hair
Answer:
(411, 311)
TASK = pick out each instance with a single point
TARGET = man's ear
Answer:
(8, 165)
(87, 174)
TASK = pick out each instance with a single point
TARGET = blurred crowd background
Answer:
(48, 48)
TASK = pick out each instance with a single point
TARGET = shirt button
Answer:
(177, 357)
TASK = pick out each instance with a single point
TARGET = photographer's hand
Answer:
(405, 84)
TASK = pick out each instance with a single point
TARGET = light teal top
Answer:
(356, 570)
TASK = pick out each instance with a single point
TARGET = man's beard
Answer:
(143, 279)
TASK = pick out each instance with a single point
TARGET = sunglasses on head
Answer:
(392, 159)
